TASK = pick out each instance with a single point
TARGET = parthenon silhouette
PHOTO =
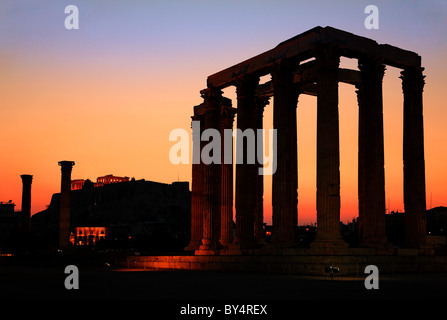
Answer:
(308, 64)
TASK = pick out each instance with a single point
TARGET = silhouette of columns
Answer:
(211, 188)
(328, 152)
(26, 202)
(261, 102)
(226, 207)
(246, 173)
(371, 173)
(64, 214)
(197, 183)
(413, 157)
(285, 179)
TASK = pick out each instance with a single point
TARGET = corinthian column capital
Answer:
(372, 68)
(261, 103)
(327, 57)
(283, 73)
(227, 114)
(246, 85)
(412, 79)
(211, 96)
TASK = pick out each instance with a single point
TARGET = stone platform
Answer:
(303, 262)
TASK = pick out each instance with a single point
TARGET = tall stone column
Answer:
(211, 189)
(285, 179)
(226, 207)
(371, 172)
(64, 214)
(197, 182)
(246, 173)
(328, 152)
(261, 102)
(413, 157)
(27, 179)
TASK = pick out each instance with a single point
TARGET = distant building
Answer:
(436, 227)
(10, 224)
(131, 214)
(88, 236)
(78, 184)
(108, 179)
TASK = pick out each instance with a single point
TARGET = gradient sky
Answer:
(107, 95)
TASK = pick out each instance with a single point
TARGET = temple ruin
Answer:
(308, 63)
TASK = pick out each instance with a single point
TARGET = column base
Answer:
(330, 241)
(241, 249)
(249, 243)
(232, 250)
(379, 243)
(206, 252)
(421, 251)
(207, 248)
(283, 238)
(225, 243)
(193, 245)
(425, 248)
(225, 247)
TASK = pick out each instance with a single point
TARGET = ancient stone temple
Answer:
(307, 64)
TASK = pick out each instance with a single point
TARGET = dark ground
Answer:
(166, 292)
(97, 282)
(39, 280)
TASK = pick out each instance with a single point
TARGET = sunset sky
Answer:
(108, 94)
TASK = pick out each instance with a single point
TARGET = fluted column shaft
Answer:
(197, 183)
(211, 191)
(413, 157)
(246, 173)
(328, 152)
(226, 207)
(261, 102)
(371, 172)
(285, 179)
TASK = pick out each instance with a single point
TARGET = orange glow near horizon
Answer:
(102, 135)
(110, 106)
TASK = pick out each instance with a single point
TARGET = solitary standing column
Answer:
(261, 102)
(285, 179)
(226, 207)
(211, 195)
(26, 201)
(246, 167)
(64, 214)
(413, 157)
(371, 172)
(328, 158)
(197, 181)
